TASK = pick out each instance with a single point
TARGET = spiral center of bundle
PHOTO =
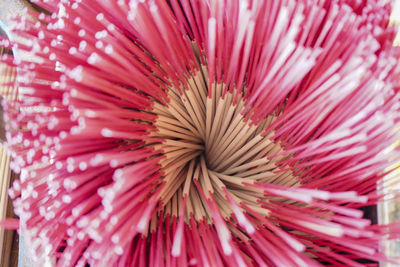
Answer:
(210, 147)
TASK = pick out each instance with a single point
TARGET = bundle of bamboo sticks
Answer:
(7, 237)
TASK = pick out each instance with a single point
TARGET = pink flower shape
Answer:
(204, 132)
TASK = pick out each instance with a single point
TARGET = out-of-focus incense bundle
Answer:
(9, 92)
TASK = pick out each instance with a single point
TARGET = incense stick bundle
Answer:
(204, 133)
(7, 92)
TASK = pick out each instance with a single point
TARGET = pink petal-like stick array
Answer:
(204, 132)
